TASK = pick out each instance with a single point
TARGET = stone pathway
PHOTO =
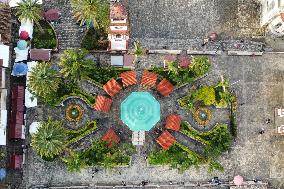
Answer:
(69, 33)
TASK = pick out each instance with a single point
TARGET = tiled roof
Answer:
(5, 25)
(166, 140)
(165, 87)
(118, 11)
(173, 122)
(52, 15)
(103, 104)
(40, 54)
(112, 87)
(128, 78)
(110, 137)
(149, 79)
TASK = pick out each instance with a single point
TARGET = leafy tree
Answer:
(206, 94)
(92, 12)
(173, 67)
(74, 162)
(50, 139)
(200, 65)
(44, 81)
(29, 10)
(74, 66)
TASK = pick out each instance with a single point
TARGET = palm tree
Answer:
(92, 12)
(43, 80)
(74, 66)
(29, 10)
(50, 139)
(138, 49)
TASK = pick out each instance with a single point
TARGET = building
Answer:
(118, 34)
(272, 16)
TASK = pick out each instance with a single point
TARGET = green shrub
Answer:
(44, 38)
(74, 162)
(206, 94)
(200, 65)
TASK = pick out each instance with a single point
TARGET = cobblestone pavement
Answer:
(258, 83)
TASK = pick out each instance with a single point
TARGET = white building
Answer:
(118, 34)
(272, 16)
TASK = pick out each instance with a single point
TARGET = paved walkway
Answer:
(69, 33)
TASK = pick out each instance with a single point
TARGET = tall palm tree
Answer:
(44, 80)
(92, 12)
(74, 66)
(50, 139)
(29, 10)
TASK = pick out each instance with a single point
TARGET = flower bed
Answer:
(74, 113)
(202, 116)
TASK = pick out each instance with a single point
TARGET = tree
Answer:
(74, 66)
(44, 80)
(74, 162)
(92, 12)
(29, 10)
(206, 94)
(50, 139)
(173, 67)
(200, 65)
(138, 50)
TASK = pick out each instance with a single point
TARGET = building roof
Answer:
(128, 78)
(110, 137)
(112, 87)
(120, 45)
(173, 122)
(184, 61)
(5, 25)
(52, 15)
(16, 161)
(166, 140)
(149, 79)
(103, 104)
(40, 54)
(165, 87)
(118, 11)
(17, 112)
(128, 60)
(116, 61)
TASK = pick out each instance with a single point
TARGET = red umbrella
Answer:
(24, 35)
(238, 180)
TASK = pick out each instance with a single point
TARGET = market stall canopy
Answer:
(52, 15)
(149, 79)
(111, 138)
(173, 122)
(128, 78)
(27, 26)
(112, 87)
(19, 69)
(165, 87)
(22, 44)
(21, 55)
(40, 54)
(24, 35)
(166, 140)
(103, 104)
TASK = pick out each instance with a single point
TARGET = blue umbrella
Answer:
(20, 69)
(2, 173)
(22, 44)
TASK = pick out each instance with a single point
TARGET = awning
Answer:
(16, 161)
(21, 55)
(19, 69)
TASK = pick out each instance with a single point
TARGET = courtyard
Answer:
(257, 83)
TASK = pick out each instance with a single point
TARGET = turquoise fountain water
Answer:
(140, 111)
